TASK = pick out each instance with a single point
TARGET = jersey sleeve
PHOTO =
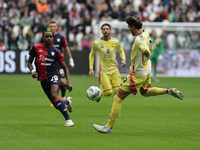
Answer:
(64, 42)
(91, 56)
(32, 51)
(60, 57)
(120, 50)
(142, 44)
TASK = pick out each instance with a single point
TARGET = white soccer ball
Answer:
(94, 93)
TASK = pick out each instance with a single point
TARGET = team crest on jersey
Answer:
(108, 50)
(58, 40)
(40, 50)
(52, 53)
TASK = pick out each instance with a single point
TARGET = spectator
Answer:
(65, 14)
(87, 20)
(158, 18)
(114, 13)
(164, 15)
(21, 6)
(2, 46)
(191, 15)
(25, 21)
(15, 20)
(22, 44)
(86, 43)
(57, 18)
(11, 4)
(3, 4)
(122, 14)
(133, 12)
(13, 11)
(43, 7)
(106, 17)
(72, 4)
(32, 6)
(90, 5)
(62, 6)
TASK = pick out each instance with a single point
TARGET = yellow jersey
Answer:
(140, 64)
(107, 51)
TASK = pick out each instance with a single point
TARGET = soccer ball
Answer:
(94, 93)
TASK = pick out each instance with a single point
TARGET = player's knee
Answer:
(107, 92)
(143, 92)
(62, 82)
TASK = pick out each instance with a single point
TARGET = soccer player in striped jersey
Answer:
(106, 46)
(60, 42)
(46, 58)
(139, 78)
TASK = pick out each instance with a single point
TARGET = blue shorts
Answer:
(47, 83)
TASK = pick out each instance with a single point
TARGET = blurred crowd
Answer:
(23, 21)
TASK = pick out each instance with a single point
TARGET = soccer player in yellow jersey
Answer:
(139, 78)
(106, 46)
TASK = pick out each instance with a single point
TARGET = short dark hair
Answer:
(134, 21)
(105, 24)
(52, 22)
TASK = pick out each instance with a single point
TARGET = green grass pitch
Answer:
(27, 122)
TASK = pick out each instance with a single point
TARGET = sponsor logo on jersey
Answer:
(40, 50)
(41, 58)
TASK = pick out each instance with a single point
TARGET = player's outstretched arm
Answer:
(69, 55)
(30, 66)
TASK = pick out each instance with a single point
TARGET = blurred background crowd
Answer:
(23, 21)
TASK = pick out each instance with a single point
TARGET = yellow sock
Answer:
(155, 91)
(116, 109)
(115, 89)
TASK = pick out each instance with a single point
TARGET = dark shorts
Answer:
(46, 84)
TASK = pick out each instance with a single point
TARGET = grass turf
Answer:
(153, 123)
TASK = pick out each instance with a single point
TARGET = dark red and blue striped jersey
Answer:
(45, 60)
(59, 41)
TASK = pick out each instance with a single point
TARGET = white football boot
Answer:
(69, 106)
(102, 129)
(69, 123)
(174, 92)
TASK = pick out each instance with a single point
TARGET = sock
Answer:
(115, 89)
(155, 91)
(116, 109)
(61, 107)
(63, 89)
(66, 102)
(155, 72)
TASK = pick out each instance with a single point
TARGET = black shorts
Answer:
(46, 84)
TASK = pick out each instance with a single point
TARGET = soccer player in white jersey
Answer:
(106, 46)
(139, 78)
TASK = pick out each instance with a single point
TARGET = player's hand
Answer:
(147, 53)
(123, 63)
(71, 63)
(91, 73)
(69, 86)
(34, 74)
(160, 57)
